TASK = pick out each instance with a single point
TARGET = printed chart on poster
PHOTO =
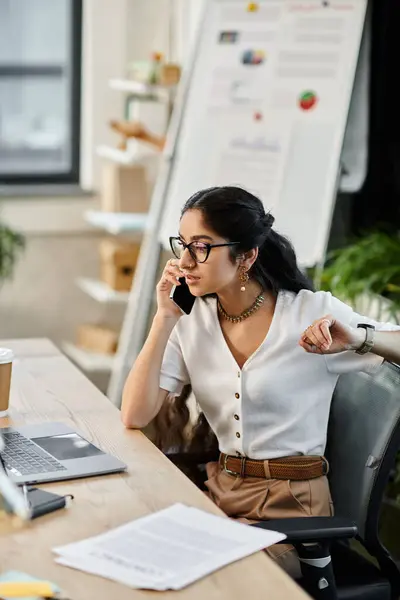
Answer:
(267, 108)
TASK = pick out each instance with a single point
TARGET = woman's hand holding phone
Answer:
(170, 277)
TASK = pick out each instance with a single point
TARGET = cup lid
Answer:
(6, 355)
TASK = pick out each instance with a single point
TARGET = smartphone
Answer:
(181, 296)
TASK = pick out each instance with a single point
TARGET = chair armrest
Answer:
(311, 529)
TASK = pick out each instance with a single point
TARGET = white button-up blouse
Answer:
(278, 403)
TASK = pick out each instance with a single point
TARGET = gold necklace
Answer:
(245, 314)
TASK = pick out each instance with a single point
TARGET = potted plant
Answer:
(367, 271)
(11, 243)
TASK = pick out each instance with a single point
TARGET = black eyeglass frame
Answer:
(188, 247)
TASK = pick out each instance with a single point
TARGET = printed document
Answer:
(166, 550)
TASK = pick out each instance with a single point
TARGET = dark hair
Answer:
(238, 216)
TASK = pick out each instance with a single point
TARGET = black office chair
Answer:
(363, 439)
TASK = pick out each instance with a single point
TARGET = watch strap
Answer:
(368, 343)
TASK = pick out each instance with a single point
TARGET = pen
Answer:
(27, 588)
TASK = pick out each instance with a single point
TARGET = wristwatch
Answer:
(368, 343)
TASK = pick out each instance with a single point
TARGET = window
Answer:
(40, 60)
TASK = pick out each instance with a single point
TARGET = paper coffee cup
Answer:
(6, 359)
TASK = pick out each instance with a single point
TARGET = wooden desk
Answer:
(46, 386)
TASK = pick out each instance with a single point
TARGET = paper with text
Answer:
(166, 550)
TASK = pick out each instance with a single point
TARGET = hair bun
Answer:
(268, 220)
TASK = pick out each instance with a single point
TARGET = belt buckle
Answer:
(235, 473)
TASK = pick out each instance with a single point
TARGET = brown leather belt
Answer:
(288, 467)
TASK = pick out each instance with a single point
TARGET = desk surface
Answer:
(47, 387)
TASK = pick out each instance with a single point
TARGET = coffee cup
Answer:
(6, 360)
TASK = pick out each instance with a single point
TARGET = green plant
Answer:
(11, 243)
(369, 267)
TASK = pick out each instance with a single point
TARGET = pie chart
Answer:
(307, 100)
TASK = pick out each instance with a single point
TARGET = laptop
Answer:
(49, 452)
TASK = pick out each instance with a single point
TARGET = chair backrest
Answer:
(363, 439)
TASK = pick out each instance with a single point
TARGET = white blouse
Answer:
(278, 403)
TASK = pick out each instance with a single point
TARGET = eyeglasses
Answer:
(199, 251)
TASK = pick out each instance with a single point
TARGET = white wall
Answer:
(153, 32)
(42, 299)
(104, 57)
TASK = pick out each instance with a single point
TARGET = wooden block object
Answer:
(118, 263)
(124, 188)
(170, 74)
(97, 338)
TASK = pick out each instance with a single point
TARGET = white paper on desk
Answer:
(166, 550)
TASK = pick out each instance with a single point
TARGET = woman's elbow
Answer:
(130, 422)
(126, 421)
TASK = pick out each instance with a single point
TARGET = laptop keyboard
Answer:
(23, 457)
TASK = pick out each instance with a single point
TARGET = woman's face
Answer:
(218, 272)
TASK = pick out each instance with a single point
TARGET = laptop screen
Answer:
(67, 446)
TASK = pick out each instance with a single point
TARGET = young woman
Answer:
(262, 352)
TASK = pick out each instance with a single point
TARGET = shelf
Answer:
(139, 88)
(117, 223)
(124, 157)
(88, 361)
(101, 292)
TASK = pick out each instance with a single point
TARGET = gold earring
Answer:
(244, 277)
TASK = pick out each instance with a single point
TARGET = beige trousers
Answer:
(252, 499)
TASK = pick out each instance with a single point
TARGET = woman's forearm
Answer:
(142, 397)
(386, 344)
